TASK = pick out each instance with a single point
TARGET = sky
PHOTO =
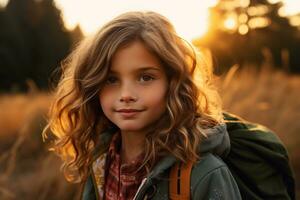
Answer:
(190, 17)
(92, 14)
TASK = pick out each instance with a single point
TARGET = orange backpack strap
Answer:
(180, 181)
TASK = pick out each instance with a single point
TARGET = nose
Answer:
(127, 99)
(127, 94)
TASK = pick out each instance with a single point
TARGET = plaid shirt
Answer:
(122, 180)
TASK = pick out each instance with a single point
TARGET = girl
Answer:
(127, 109)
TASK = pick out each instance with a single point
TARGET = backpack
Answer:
(266, 169)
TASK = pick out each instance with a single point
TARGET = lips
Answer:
(129, 113)
(129, 110)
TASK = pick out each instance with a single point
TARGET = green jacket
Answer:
(210, 176)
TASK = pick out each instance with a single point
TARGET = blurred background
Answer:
(253, 45)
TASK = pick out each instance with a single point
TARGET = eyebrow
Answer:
(140, 69)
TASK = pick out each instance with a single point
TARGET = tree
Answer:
(12, 52)
(35, 42)
(241, 33)
(53, 42)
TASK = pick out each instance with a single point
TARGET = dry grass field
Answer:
(29, 171)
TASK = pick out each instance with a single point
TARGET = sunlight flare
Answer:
(230, 23)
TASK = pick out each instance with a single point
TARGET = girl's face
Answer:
(134, 95)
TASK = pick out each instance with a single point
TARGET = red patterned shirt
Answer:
(122, 180)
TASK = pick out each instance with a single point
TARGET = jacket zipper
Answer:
(139, 189)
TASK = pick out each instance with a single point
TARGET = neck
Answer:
(132, 146)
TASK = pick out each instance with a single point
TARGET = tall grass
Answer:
(268, 97)
(29, 171)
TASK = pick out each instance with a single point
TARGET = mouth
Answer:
(129, 113)
(129, 110)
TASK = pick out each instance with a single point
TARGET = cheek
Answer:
(106, 100)
(157, 98)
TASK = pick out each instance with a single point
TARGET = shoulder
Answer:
(211, 178)
(208, 164)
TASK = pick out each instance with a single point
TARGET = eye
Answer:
(146, 77)
(111, 80)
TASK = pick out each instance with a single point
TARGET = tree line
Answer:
(33, 41)
(255, 33)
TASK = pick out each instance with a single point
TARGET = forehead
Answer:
(133, 57)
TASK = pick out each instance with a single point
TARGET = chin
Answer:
(130, 127)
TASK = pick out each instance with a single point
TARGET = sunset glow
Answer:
(189, 18)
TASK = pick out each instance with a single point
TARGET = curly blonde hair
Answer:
(76, 118)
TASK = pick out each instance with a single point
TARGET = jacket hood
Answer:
(216, 141)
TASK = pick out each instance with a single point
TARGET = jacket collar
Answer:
(163, 165)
